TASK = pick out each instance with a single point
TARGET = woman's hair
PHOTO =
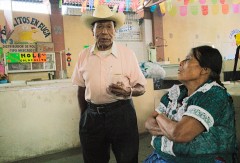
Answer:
(209, 57)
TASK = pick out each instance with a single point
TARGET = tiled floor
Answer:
(75, 155)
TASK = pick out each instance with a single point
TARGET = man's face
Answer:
(104, 32)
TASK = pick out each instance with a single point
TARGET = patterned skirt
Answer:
(156, 158)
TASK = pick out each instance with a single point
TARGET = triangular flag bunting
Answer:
(169, 5)
(235, 8)
(162, 8)
(215, 9)
(183, 10)
(202, 2)
(194, 10)
(214, 1)
(173, 11)
(225, 8)
(204, 9)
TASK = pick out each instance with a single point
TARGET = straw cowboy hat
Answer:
(103, 12)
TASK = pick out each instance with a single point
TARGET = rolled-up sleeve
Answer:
(77, 77)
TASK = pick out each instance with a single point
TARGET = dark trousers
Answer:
(116, 129)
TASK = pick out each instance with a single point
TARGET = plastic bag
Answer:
(152, 70)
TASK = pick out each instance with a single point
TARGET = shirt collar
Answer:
(113, 49)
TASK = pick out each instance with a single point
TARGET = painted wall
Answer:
(29, 28)
(184, 32)
(37, 120)
(76, 36)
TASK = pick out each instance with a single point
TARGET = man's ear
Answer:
(92, 29)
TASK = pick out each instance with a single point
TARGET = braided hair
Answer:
(210, 58)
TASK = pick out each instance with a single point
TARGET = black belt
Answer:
(104, 108)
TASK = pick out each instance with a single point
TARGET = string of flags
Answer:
(181, 7)
(201, 8)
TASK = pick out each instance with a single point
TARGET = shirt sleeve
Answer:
(77, 77)
(206, 107)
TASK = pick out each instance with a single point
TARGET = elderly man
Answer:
(108, 75)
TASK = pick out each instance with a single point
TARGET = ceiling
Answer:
(33, 1)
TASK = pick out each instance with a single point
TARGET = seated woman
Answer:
(195, 121)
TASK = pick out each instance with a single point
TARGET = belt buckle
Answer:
(99, 107)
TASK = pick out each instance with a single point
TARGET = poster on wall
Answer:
(8, 18)
(25, 57)
(130, 31)
(26, 62)
(19, 48)
(27, 29)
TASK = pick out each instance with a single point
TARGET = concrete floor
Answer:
(75, 155)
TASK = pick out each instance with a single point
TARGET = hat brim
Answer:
(118, 18)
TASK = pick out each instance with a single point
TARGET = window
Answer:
(49, 65)
(33, 6)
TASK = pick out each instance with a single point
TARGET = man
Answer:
(108, 118)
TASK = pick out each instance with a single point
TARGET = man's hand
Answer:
(119, 89)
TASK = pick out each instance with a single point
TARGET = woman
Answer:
(195, 120)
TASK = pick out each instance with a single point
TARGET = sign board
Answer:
(30, 62)
(19, 48)
(8, 17)
(130, 31)
(25, 57)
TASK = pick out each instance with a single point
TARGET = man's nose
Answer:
(104, 30)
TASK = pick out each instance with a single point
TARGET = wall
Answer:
(184, 32)
(37, 120)
(29, 28)
(76, 36)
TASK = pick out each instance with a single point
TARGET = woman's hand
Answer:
(152, 126)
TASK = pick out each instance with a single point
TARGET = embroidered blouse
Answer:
(211, 105)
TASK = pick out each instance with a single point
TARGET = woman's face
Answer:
(104, 33)
(189, 69)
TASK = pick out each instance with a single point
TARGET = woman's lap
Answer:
(155, 158)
